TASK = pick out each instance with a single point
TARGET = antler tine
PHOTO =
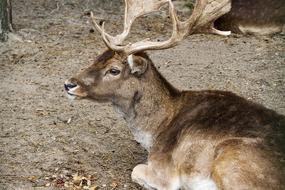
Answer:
(110, 45)
(110, 38)
(133, 10)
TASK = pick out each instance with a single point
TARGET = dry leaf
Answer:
(32, 178)
(114, 184)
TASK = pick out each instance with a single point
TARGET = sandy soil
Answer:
(48, 142)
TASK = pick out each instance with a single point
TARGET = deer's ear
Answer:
(138, 65)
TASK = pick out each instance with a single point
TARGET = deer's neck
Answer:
(151, 108)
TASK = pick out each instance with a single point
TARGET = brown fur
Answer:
(190, 134)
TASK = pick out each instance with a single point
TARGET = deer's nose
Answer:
(69, 86)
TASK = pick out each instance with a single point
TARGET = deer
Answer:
(256, 17)
(196, 140)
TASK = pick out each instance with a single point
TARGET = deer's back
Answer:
(224, 114)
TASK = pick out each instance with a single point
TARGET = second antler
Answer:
(201, 21)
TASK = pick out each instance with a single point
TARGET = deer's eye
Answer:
(114, 71)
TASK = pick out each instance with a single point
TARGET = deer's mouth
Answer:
(71, 95)
(75, 95)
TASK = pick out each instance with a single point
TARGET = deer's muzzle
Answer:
(73, 89)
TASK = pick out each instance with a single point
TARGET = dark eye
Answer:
(114, 71)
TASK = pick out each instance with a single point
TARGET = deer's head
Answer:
(119, 71)
(111, 76)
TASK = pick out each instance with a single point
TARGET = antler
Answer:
(201, 20)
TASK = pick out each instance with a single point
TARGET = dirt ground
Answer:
(48, 142)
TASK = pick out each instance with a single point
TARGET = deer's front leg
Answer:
(147, 177)
(140, 175)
